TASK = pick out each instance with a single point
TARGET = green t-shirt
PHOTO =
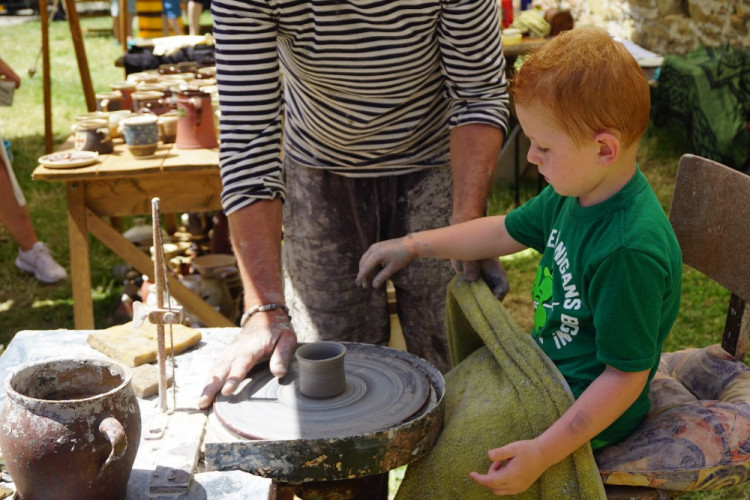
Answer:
(607, 288)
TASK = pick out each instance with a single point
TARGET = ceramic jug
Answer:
(70, 429)
(195, 127)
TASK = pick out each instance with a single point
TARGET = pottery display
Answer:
(141, 134)
(93, 135)
(125, 88)
(70, 429)
(149, 101)
(207, 265)
(144, 77)
(195, 128)
(114, 119)
(167, 124)
(91, 115)
(109, 101)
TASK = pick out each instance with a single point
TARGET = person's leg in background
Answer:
(172, 17)
(195, 9)
(116, 24)
(33, 255)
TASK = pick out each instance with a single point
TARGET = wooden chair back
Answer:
(710, 215)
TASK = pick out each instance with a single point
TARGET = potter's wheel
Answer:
(381, 391)
(404, 391)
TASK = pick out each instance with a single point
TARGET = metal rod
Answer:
(160, 279)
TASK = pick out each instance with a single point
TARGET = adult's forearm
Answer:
(475, 148)
(255, 232)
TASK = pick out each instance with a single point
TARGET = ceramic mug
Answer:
(93, 135)
(126, 89)
(149, 101)
(114, 119)
(167, 124)
(144, 77)
(141, 134)
(109, 101)
(91, 115)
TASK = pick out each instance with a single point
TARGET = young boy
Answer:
(608, 285)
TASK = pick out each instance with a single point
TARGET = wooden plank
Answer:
(710, 216)
(120, 163)
(46, 84)
(736, 328)
(122, 247)
(193, 192)
(80, 271)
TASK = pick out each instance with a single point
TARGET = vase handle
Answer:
(115, 433)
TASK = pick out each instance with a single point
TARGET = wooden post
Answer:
(83, 65)
(159, 276)
(43, 8)
(124, 19)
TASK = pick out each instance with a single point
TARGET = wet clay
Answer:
(379, 391)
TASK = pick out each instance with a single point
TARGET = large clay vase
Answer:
(195, 126)
(70, 429)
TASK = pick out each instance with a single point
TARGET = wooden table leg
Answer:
(80, 272)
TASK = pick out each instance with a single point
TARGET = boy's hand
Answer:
(515, 467)
(382, 260)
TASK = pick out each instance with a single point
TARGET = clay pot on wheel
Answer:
(70, 429)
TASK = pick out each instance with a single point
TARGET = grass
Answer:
(27, 304)
(24, 302)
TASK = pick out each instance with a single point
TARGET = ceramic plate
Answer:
(68, 159)
(650, 62)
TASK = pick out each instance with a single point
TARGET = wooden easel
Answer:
(83, 65)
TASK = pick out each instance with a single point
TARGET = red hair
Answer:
(589, 82)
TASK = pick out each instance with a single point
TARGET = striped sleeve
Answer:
(473, 63)
(249, 100)
(371, 87)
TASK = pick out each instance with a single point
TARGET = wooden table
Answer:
(118, 184)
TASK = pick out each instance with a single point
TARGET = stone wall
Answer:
(665, 26)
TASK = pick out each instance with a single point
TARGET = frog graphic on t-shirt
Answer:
(540, 293)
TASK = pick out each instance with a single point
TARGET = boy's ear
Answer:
(609, 148)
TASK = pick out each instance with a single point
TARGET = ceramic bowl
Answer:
(208, 265)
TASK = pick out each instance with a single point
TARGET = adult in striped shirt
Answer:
(393, 114)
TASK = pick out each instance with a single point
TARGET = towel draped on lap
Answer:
(503, 389)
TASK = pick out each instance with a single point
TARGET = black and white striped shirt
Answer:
(371, 87)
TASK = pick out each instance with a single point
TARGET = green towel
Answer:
(502, 389)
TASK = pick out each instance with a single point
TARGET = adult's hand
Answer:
(492, 271)
(265, 336)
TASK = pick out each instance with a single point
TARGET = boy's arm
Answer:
(517, 465)
(477, 239)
